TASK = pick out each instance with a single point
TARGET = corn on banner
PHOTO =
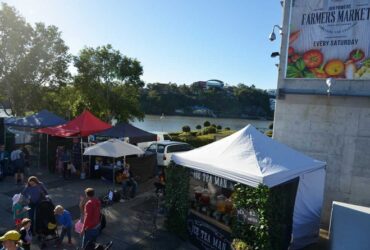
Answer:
(329, 38)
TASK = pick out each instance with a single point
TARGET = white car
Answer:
(165, 149)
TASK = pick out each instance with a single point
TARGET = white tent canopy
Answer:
(113, 148)
(251, 158)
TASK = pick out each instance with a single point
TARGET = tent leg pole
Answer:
(82, 165)
(114, 176)
(4, 135)
(47, 151)
(39, 162)
(88, 144)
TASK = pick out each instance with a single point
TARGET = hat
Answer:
(25, 221)
(16, 198)
(10, 235)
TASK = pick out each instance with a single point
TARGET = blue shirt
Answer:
(64, 219)
(35, 193)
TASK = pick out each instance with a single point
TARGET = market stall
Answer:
(80, 127)
(246, 189)
(113, 148)
(25, 126)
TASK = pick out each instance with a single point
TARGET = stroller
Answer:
(46, 225)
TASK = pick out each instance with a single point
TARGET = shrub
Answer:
(227, 128)
(194, 133)
(210, 130)
(271, 125)
(186, 129)
(268, 133)
(219, 127)
(206, 124)
(199, 127)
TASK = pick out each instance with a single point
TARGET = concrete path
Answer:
(130, 225)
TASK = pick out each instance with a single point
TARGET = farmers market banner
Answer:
(329, 38)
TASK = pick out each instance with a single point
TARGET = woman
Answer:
(35, 191)
(10, 240)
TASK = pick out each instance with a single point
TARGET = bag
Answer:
(78, 226)
(116, 196)
(73, 169)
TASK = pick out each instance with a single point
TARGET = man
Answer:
(17, 158)
(91, 224)
(128, 181)
(10, 240)
(2, 161)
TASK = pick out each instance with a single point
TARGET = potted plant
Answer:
(239, 244)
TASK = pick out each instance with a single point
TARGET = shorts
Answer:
(19, 169)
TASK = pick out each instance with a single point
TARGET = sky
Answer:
(178, 41)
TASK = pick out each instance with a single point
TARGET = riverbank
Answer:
(175, 123)
(220, 116)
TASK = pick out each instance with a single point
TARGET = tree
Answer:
(30, 59)
(206, 124)
(186, 129)
(109, 82)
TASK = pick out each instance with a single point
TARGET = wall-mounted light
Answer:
(272, 36)
(275, 54)
(329, 82)
(282, 3)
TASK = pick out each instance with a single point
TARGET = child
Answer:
(26, 234)
(65, 220)
(19, 211)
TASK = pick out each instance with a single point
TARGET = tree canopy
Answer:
(109, 83)
(30, 57)
(34, 74)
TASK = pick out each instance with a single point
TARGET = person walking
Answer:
(10, 240)
(64, 219)
(17, 159)
(66, 159)
(34, 191)
(26, 234)
(128, 181)
(91, 223)
(26, 159)
(3, 160)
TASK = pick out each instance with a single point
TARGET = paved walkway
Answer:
(130, 225)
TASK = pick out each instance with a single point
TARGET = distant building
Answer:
(213, 83)
(202, 111)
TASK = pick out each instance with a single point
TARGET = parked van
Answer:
(165, 149)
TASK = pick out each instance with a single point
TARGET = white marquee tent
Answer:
(251, 158)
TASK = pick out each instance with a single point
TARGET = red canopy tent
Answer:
(83, 125)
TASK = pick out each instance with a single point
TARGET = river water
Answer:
(175, 123)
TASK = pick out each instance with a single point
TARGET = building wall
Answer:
(334, 128)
